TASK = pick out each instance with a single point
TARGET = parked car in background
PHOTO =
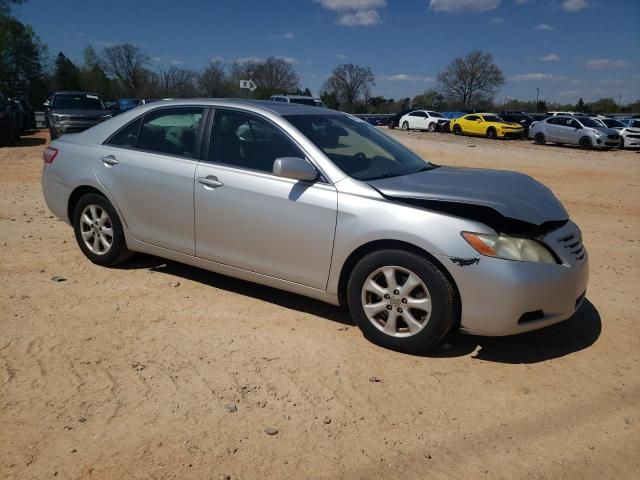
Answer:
(630, 136)
(18, 117)
(574, 130)
(631, 122)
(520, 118)
(8, 122)
(555, 114)
(395, 120)
(538, 116)
(452, 115)
(73, 112)
(487, 125)
(322, 204)
(125, 104)
(300, 99)
(29, 116)
(424, 120)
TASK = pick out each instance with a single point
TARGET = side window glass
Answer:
(127, 137)
(473, 117)
(246, 141)
(172, 131)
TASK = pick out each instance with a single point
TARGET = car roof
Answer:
(280, 108)
(73, 92)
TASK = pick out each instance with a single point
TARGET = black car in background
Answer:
(73, 112)
(395, 120)
(518, 117)
(28, 120)
(9, 127)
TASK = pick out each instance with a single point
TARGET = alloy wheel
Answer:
(396, 301)
(96, 229)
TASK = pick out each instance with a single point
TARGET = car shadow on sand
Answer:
(241, 287)
(579, 332)
(30, 141)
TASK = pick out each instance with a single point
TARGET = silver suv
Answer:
(575, 130)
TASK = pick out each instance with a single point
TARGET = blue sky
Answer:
(567, 48)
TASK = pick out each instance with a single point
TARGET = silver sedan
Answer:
(322, 204)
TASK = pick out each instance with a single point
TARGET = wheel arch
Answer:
(377, 245)
(76, 195)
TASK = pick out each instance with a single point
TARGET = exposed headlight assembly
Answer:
(509, 248)
(59, 118)
(597, 133)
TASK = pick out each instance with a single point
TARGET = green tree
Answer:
(66, 75)
(350, 85)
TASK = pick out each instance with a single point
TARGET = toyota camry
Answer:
(321, 203)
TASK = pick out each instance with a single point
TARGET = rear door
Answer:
(148, 168)
(248, 218)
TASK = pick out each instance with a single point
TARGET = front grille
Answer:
(633, 136)
(573, 245)
(83, 117)
(614, 137)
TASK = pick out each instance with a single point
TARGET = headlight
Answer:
(106, 117)
(509, 248)
(59, 118)
(597, 133)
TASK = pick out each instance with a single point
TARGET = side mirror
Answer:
(46, 104)
(294, 168)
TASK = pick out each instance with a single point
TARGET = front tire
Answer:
(585, 143)
(492, 133)
(401, 301)
(98, 231)
(405, 126)
(432, 127)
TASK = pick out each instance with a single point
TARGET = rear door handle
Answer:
(210, 181)
(109, 160)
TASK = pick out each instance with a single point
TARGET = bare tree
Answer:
(214, 81)
(179, 82)
(349, 84)
(127, 64)
(275, 74)
(471, 79)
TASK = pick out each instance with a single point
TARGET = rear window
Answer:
(77, 102)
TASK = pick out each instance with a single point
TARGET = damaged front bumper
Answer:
(504, 297)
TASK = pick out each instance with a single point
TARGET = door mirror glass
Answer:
(294, 168)
(46, 104)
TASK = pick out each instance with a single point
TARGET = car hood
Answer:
(88, 114)
(607, 130)
(512, 195)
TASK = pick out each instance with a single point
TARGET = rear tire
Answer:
(391, 125)
(399, 320)
(98, 231)
(585, 143)
(539, 139)
(405, 126)
(457, 130)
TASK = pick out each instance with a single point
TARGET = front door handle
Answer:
(210, 181)
(109, 160)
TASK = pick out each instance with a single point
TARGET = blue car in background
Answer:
(125, 104)
(453, 115)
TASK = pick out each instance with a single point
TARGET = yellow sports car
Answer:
(487, 125)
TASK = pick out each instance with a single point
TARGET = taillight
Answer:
(49, 154)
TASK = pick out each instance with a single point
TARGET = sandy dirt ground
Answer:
(156, 370)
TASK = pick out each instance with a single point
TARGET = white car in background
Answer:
(630, 135)
(424, 120)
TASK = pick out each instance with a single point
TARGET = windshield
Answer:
(357, 148)
(611, 123)
(492, 118)
(77, 102)
(436, 115)
(589, 122)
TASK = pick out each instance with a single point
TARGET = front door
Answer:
(248, 218)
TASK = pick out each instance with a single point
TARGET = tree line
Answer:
(126, 71)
